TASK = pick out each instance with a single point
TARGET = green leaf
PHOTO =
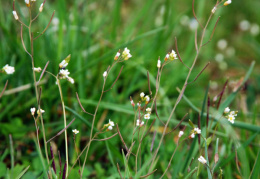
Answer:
(191, 124)
(208, 141)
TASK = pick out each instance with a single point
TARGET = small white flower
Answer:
(111, 124)
(41, 7)
(132, 103)
(147, 98)
(33, 111)
(41, 111)
(63, 64)
(202, 160)
(15, 15)
(71, 80)
(197, 130)
(37, 69)
(8, 69)
(139, 104)
(231, 118)
(138, 123)
(227, 2)
(117, 55)
(64, 73)
(233, 113)
(27, 1)
(226, 110)
(147, 116)
(173, 55)
(126, 54)
(166, 57)
(148, 110)
(192, 135)
(214, 10)
(105, 74)
(180, 134)
(159, 64)
(75, 131)
(142, 94)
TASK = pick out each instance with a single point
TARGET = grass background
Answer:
(92, 32)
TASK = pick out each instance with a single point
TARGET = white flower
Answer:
(75, 131)
(41, 7)
(142, 94)
(71, 80)
(202, 160)
(32, 111)
(173, 55)
(117, 55)
(147, 116)
(231, 118)
(64, 73)
(27, 1)
(233, 113)
(40, 111)
(159, 64)
(166, 57)
(105, 74)
(214, 9)
(148, 110)
(111, 124)
(139, 104)
(227, 2)
(226, 110)
(181, 133)
(192, 135)
(33, 0)
(147, 98)
(197, 130)
(37, 69)
(138, 123)
(8, 69)
(126, 54)
(132, 103)
(63, 64)
(15, 15)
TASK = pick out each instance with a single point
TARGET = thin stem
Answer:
(65, 126)
(181, 94)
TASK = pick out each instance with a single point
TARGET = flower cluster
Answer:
(194, 132)
(145, 98)
(171, 56)
(109, 125)
(126, 54)
(139, 123)
(230, 115)
(64, 73)
(39, 111)
(8, 69)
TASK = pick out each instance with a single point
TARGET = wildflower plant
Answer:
(139, 160)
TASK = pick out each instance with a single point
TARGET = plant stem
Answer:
(181, 93)
(65, 125)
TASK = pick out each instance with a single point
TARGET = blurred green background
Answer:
(92, 32)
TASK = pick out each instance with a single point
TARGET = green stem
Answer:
(65, 125)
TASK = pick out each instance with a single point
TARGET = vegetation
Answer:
(214, 65)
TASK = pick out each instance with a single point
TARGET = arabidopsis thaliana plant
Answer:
(105, 74)
(226, 110)
(37, 69)
(147, 116)
(41, 7)
(126, 54)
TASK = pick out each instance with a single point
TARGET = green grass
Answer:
(92, 32)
